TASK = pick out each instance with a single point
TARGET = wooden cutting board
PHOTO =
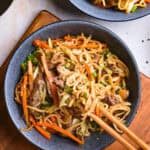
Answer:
(11, 139)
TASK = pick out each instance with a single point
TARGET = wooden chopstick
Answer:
(136, 139)
(112, 132)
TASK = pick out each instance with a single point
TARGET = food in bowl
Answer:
(128, 6)
(65, 78)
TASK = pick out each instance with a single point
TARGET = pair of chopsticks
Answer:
(114, 133)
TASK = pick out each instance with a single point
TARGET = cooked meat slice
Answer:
(110, 100)
(58, 81)
(76, 111)
(36, 97)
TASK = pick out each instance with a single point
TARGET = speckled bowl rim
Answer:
(89, 12)
(61, 23)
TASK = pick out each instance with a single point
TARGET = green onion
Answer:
(108, 54)
(103, 83)
(33, 58)
(49, 100)
(108, 70)
(24, 67)
(35, 61)
(30, 57)
(35, 53)
(68, 89)
(44, 106)
(95, 74)
(105, 52)
(48, 53)
(123, 84)
(94, 124)
(84, 95)
(47, 103)
(134, 8)
(69, 65)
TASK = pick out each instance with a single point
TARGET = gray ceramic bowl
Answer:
(96, 141)
(109, 14)
(4, 6)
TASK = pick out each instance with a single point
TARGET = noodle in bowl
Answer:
(90, 88)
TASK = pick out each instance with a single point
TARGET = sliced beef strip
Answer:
(59, 82)
(110, 100)
(35, 97)
(76, 111)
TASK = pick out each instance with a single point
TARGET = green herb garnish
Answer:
(33, 58)
(48, 53)
(95, 74)
(69, 65)
(24, 67)
(134, 8)
(68, 89)
(94, 124)
(35, 61)
(84, 95)
(103, 83)
(47, 103)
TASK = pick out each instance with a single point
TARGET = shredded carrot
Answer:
(88, 72)
(71, 46)
(147, 1)
(53, 118)
(24, 99)
(55, 41)
(49, 78)
(80, 42)
(91, 45)
(39, 129)
(61, 130)
(97, 111)
(54, 92)
(32, 120)
(68, 38)
(41, 44)
(30, 75)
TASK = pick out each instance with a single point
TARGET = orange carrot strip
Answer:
(32, 120)
(41, 44)
(24, 99)
(71, 46)
(61, 130)
(68, 38)
(91, 45)
(88, 72)
(97, 111)
(79, 42)
(30, 74)
(49, 77)
(53, 118)
(147, 1)
(55, 41)
(43, 132)
(39, 129)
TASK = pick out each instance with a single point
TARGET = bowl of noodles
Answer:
(61, 73)
(112, 10)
